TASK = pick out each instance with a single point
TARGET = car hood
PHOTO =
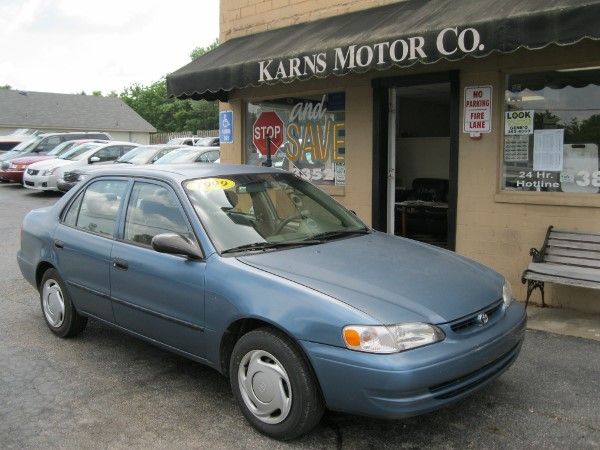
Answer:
(52, 163)
(390, 278)
(10, 155)
(26, 160)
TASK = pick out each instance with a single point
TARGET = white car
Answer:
(184, 141)
(43, 175)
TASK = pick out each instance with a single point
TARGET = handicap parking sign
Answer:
(226, 127)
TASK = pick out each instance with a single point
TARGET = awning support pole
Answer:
(391, 178)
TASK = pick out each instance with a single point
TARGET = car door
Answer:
(157, 295)
(83, 241)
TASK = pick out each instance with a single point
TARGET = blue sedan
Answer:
(270, 281)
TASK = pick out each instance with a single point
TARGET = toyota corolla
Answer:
(270, 281)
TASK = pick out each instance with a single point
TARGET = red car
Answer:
(12, 171)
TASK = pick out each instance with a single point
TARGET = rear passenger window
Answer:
(99, 206)
(70, 218)
(153, 210)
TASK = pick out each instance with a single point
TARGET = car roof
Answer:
(180, 172)
(66, 133)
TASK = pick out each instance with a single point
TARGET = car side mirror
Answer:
(176, 244)
(94, 159)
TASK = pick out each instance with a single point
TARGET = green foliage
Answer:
(199, 51)
(170, 114)
(97, 93)
(6, 86)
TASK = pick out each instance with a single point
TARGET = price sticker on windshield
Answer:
(211, 184)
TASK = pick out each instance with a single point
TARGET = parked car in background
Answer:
(191, 155)
(44, 175)
(44, 143)
(145, 154)
(266, 278)
(208, 142)
(12, 170)
(10, 141)
(183, 141)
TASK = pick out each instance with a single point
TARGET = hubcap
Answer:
(265, 386)
(53, 303)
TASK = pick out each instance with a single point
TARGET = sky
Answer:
(70, 46)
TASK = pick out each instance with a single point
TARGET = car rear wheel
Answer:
(274, 385)
(59, 313)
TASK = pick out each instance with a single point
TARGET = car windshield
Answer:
(62, 148)
(139, 155)
(25, 145)
(183, 155)
(260, 211)
(77, 153)
(204, 142)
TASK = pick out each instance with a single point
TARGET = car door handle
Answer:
(119, 263)
(59, 244)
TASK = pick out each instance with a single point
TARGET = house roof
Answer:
(25, 109)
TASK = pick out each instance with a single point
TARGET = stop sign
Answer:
(267, 125)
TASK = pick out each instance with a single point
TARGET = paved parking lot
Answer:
(105, 389)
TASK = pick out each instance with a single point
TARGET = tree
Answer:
(6, 86)
(170, 114)
(97, 93)
(199, 51)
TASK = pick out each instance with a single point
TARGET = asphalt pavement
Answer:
(104, 389)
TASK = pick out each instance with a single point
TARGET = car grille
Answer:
(29, 183)
(471, 322)
(32, 171)
(70, 176)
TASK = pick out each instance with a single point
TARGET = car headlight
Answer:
(507, 295)
(390, 338)
(11, 166)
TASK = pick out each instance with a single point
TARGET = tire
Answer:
(57, 308)
(261, 353)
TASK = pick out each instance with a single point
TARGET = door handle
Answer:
(119, 263)
(59, 244)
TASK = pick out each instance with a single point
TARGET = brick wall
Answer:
(243, 17)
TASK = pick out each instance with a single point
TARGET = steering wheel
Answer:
(284, 222)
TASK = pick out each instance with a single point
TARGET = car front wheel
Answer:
(274, 385)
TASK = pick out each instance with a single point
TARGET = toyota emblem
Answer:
(482, 318)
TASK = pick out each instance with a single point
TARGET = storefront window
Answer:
(303, 135)
(552, 131)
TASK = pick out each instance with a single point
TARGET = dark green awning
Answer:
(399, 34)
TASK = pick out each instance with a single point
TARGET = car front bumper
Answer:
(65, 186)
(40, 182)
(419, 380)
(14, 176)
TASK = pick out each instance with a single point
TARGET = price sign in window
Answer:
(552, 131)
(306, 136)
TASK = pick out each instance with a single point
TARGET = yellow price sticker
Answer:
(210, 184)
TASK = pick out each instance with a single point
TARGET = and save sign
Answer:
(267, 125)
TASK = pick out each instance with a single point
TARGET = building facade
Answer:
(475, 132)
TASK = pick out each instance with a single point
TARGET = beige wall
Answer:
(243, 17)
(495, 228)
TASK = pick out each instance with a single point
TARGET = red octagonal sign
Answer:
(267, 125)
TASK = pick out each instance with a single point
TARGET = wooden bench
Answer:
(567, 258)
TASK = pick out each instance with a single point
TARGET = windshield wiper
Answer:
(269, 245)
(339, 233)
